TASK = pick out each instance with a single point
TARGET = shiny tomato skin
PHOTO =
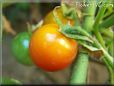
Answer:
(49, 18)
(51, 50)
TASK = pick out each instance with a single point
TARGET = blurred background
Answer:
(16, 15)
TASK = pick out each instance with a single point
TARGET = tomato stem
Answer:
(29, 29)
(79, 72)
(111, 48)
(95, 26)
(88, 16)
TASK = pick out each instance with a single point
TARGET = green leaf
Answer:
(78, 37)
(107, 32)
(108, 22)
(9, 81)
(111, 49)
(91, 48)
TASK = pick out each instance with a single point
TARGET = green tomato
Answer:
(20, 48)
(9, 81)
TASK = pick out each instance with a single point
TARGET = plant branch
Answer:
(99, 37)
(79, 72)
(107, 58)
(88, 16)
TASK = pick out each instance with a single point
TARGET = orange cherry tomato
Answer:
(51, 50)
(49, 18)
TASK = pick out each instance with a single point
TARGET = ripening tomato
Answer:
(51, 50)
(49, 18)
(20, 48)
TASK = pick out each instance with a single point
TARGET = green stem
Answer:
(111, 48)
(99, 37)
(108, 57)
(96, 23)
(110, 70)
(89, 12)
(108, 22)
(80, 68)
(106, 54)
(29, 27)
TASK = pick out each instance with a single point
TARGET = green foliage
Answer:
(23, 6)
(95, 42)
(9, 81)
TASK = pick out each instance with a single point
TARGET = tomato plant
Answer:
(50, 50)
(20, 45)
(49, 18)
(54, 47)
